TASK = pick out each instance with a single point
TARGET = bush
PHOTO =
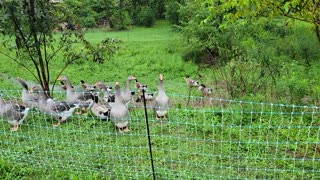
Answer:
(172, 14)
(120, 20)
(88, 22)
(146, 17)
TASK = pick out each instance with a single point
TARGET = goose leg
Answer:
(84, 111)
(14, 128)
(124, 129)
(58, 123)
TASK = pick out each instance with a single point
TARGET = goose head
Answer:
(101, 86)
(131, 78)
(87, 87)
(139, 85)
(62, 78)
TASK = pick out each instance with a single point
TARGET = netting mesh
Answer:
(201, 138)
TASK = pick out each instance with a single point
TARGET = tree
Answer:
(302, 10)
(28, 29)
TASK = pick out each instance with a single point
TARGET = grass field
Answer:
(203, 138)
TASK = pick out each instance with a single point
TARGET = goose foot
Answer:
(82, 111)
(161, 117)
(124, 129)
(57, 125)
(14, 128)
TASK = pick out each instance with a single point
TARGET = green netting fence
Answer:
(202, 138)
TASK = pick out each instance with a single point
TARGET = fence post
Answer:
(148, 133)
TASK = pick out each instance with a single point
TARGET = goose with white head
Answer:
(126, 94)
(107, 96)
(161, 105)
(29, 99)
(119, 113)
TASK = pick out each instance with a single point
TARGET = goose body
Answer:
(191, 82)
(126, 94)
(161, 101)
(205, 90)
(81, 98)
(63, 86)
(107, 96)
(139, 86)
(15, 114)
(29, 99)
(148, 97)
(119, 113)
(87, 87)
(61, 110)
(98, 109)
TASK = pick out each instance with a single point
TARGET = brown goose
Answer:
(15, 114)
(162, 101)
(29, 99)
(119, 113)
(86, 86)
(61, 110)
(148, 97)
(139, 86)
(191, 82)
(205, 90)
(99, 109)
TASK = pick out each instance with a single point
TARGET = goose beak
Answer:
(31, 90)
(59, 78)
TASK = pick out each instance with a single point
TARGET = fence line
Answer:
(210, 138)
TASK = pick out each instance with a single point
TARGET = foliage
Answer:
(29, 40)
(119, 14)
(301, 10)
(211, 44)
(120, 20)
(172, 14)
(231, 38)
(82, 13)
(146, 17)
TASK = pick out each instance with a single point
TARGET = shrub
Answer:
(172, 14)
(120, 20)
(146, 17)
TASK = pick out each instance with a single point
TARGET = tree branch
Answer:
(19, 63)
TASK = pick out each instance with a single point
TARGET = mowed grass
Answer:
(201, 139)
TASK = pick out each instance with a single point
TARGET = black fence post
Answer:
(148, 133)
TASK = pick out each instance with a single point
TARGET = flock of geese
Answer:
(113, 106)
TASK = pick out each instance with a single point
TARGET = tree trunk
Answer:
(317, 29)
(42, 75)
